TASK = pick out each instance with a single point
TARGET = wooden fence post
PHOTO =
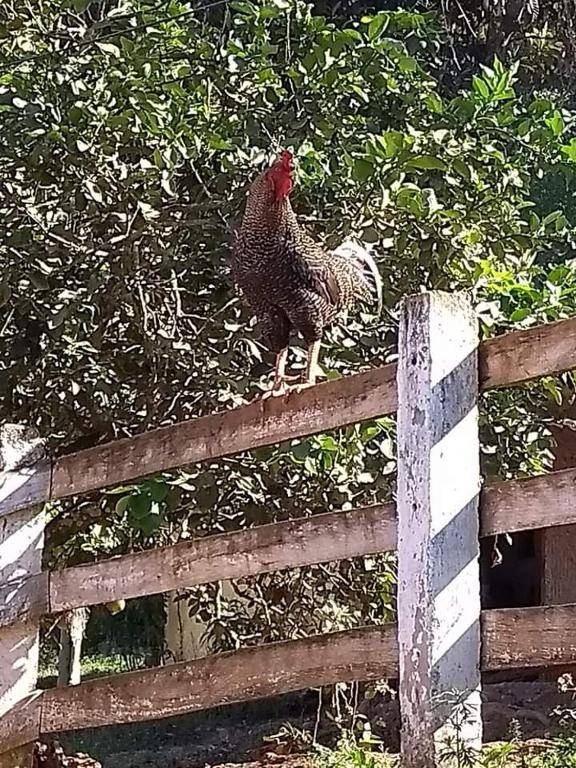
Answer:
(438, 528)
(24, 479)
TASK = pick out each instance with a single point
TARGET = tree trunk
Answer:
(72, 628)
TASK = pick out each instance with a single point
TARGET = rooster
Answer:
(290, 282)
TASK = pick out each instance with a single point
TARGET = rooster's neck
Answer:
(265, 213)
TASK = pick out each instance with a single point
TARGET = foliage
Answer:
(559, 752)
(539, 33)
(353, 752)
(129, 138)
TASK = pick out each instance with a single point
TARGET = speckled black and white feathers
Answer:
(290, 282)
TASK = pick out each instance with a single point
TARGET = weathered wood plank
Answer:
(21, 725)
(511, 639)
(529, 637)
(327, 406)
(23, 599)
(556, 547)
(21, 757)
(364, 654)
(510, 506)
(438, 541)
(289, 544)
(504, 361)
(25, 487)
(534, 502)
(21, 541)
(524, 355)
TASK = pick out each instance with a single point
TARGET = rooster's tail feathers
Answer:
(352, 252)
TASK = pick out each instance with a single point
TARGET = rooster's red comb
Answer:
(287, 159)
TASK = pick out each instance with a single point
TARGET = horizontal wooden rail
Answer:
(507, 360)
(521, 356)
(533, 502)
(506, 507)
(510, 506)
(327, 406)
(511, 639)
(515, 638)
(272, 547)
(360, 654)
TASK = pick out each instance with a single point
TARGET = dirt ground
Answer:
(294, 761)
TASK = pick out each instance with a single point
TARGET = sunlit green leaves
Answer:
(377, 26)
(570, 150)
(555, 123)
(426, 162)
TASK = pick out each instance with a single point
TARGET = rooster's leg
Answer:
(312, 364)
(280, 385)
(311, 370)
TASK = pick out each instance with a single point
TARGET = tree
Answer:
(129, 138)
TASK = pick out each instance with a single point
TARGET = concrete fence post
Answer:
(24, 483)
(438, 536)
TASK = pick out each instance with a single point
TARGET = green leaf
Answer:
(426, 162)
(524, 128)
(378, 26)
(520, 314)
(555, 123)
(363, 169)
(392, 141)
(434, 103)
(540, 106)
(127, 45)
(75, 114)
(158, 490)
(411, 199)
(300, 450)
(360, 92)
(558, 275)
(327, 443)
(149, 523)
(523, 241)
(480, 87)
(407, 64)
(569, 150)
(462, 168)
(140, 505)
(551, 218)
(247, 9)
(267, 49)
(122, 505)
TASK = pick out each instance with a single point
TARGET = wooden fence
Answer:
(442, 641)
